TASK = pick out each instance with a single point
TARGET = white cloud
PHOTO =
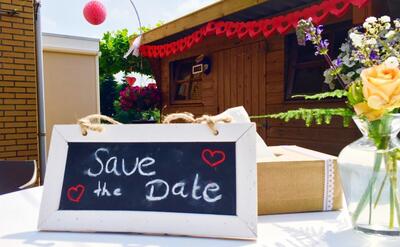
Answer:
(48, 24)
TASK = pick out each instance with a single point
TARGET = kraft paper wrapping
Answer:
(294, 182)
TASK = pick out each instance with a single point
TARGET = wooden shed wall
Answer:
(251, 73)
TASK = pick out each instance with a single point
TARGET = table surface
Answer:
(19, 214)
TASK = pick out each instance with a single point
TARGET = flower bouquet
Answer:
(137, 103)
(367, 70)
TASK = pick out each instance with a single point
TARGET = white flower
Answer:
(384, 19)
(345, 47)
(370, 41)
(347, 62)
(370, 19)
(350, 74)
(366, 25)
(356, 39)
(397, 23)
(390, 34)
(392, 62)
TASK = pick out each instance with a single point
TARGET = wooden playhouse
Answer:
(261, 72)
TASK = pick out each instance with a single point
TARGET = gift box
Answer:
(297, 180)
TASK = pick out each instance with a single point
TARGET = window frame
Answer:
(173, 83)
(290, 67)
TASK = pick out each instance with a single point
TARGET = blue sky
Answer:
(65, 17)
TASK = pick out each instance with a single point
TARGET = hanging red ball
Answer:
(95, 12)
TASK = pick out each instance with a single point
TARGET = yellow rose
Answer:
(381, 90)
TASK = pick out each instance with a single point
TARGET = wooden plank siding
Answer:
(251, 73)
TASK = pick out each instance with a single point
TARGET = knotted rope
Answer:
(93, 122)
(211, 121)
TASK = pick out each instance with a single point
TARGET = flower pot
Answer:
(369, 172)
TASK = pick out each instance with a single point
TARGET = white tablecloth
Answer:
(19, 215)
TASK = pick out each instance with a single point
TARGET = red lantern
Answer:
(94, 12)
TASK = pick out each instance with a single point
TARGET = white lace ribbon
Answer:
(329, 184)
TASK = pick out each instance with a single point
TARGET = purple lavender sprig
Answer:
(306, 31)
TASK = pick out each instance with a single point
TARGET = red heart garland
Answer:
(359, 3)
(168, 50)
(150, 51)
(242, 30)
(253, 28)
(220, 28)
(174, 47)
(161, 51)
(267, 28)
(283, 23)
(189, 41)
(143, 51)
(181, 45)
(337, 10)
(75, 193)
(156, 51)
(320, 13)
(210, 28)
(231, 30)
(206, 154)
(198, 36)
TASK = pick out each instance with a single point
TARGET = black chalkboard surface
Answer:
(183, 177)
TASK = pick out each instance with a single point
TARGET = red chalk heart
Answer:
(75, 193)
(213, 158)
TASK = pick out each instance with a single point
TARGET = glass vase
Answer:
(369, 173)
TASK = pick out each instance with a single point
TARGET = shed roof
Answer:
(227, 10)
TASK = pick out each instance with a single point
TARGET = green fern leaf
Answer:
(338, 93)
(319, 116)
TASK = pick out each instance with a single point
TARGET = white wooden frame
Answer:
(241, 226)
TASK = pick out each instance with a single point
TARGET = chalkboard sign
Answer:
(185, 177)
(166, 179)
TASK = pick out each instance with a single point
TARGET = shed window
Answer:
(304, 70)
(185, 86)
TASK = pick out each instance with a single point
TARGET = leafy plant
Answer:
(138, 103)
(319, 116)
(108, 93)
(113, 47)
(338, 93)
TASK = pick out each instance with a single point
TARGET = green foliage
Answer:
(320, 116)
(355, 94)
(113, 47)
(338, 93)
(108, 93)
(133, 115)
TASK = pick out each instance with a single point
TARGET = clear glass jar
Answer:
(369, 173)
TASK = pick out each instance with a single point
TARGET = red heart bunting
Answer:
(242, 30)
(339, 7)
(281, 24)
(210, 28)
(268, 28)
(253, 28)
(220, 28)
